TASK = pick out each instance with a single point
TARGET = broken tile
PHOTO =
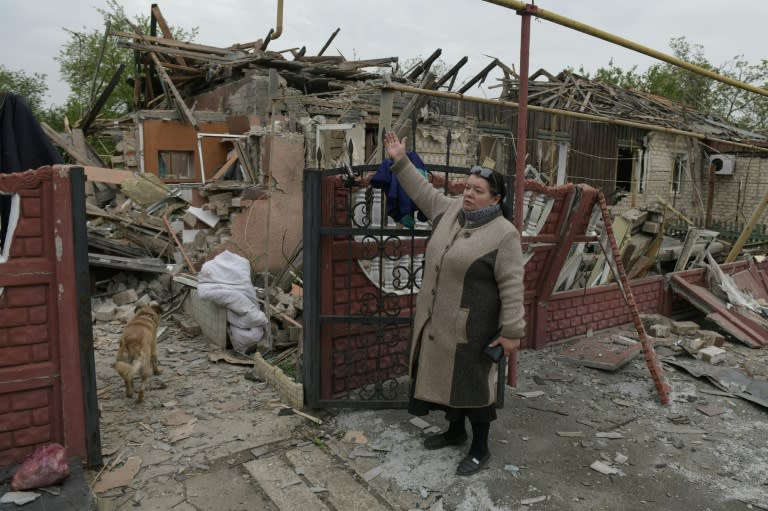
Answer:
(594, 352)
(118, 477)
(710, 410)
(533, 500)
(19, 498)
(419, 423)
(178, 418)
(531, 394)
(182, 432)
(570, 434)
(603, 468)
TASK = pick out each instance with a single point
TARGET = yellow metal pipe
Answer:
(279, 28)
(567, 113)
(606, 36)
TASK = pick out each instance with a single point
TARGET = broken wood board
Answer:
(125, 263)
(226, 357)
(105, 175)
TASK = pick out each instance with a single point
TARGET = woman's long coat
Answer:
(472, 289)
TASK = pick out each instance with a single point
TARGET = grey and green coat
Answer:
(471, 289)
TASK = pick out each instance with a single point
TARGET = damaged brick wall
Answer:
(573, 313)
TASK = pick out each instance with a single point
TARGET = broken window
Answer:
(176, 164)
(681, 162)
(624, 167)
(641, 164)
(552, 155)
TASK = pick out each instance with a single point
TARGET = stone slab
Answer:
(595, 352)
(282, 485)
(344, 493)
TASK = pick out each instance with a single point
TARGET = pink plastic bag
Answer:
(44, 467)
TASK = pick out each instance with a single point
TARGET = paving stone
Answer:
(282, 485)
(344, 493)
(205, 491)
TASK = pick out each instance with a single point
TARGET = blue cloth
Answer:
(400, 207)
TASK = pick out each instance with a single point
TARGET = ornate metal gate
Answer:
(362, 272)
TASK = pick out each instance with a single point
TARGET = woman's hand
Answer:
(509, 345)
(395, 148)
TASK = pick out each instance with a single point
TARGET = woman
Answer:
(471, 293)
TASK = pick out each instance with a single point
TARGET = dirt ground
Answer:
(210, 437)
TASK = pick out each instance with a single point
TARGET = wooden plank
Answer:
(245, 161)
(165, 29)
(224, 168)
(105, 175)
(65, 144)
(174, 43)
(190, 264)
(183, 108)
(79, 141)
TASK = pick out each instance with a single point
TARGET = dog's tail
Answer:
(126, 370)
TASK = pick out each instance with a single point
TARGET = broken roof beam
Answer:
(189, 54)
(424, 65)
(357, 64)
(174, 43)
(328, 42)
(178, 100)
(451, 74)
(103, 97)
(479, 77)
(68, 146)
(158, 19)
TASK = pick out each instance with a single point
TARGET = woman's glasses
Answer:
(483, 171)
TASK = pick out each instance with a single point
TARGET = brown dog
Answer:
(138, 348)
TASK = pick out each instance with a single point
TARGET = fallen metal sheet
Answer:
(726, 378)
(743, 325)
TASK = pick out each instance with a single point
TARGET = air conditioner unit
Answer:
(723, 163)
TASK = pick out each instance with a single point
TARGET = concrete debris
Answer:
(533, 500)
(570, 434)
(19, 498)
(712, 354)
(531, 394)
(620, 458)
(613, 435)
(604, 468)
(419, 423)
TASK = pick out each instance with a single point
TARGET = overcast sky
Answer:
(31, 33)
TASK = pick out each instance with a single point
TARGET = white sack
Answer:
(226, 281)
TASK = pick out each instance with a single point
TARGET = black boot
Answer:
(456, 435)
(479, 455)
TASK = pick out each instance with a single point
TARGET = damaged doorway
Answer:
(47, 375)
